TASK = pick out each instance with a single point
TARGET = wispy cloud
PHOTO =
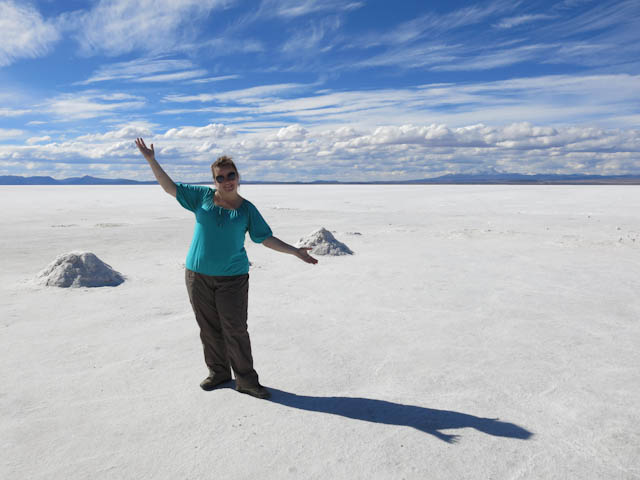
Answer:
(411, 56)
(298, 8)
(594, 35)
(438, 41)
(310, 36)
(13, 112)
(522, 19)
(432, 24)
(601, 35)
(494, 59)
(138, 68)
(171, 77)
(601, 16)
(24, 33)
(305, 28)
(116, 27)
(245, 95)
(34, 140)
(221, 78)
(91, 104)
(7, 133)
(225, 44)
(551, 99)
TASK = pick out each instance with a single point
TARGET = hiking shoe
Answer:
(213, 380)
(257, 391)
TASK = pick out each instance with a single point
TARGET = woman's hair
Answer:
(222, 162)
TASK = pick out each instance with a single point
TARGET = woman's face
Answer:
(226, 179)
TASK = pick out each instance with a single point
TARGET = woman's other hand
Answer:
(303, 254)
(148, 153)
(279, 246)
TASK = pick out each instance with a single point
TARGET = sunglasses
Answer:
(230, 177)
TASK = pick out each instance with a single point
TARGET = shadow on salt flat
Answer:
(427, 420)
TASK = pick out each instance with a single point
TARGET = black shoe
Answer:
(257, 391)
(213, 380)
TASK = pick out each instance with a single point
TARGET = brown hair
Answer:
(222, 162)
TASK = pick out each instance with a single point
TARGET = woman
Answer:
(217, 269)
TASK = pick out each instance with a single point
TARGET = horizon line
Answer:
(495, 178)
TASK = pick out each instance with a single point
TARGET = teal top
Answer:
(217, 247)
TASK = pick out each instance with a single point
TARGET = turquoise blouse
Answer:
(217, 247)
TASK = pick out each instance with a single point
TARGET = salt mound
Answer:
(323, 242)
(79, 269)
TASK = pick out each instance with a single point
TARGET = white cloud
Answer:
(91, 104)
(310, 37)
(126, 132)
(501, 58)
(598, 34)
(291, 133)
(215, 79)
(116, 27)
(171, 77)
(201, 97)
(342, 133)
(522, 19)
(33, 140)
(213, 130)
(245, 95)
(412, 56)
(551, 100)
(500, 140)
(114, 96)
(298, 8)
(430, 24)
(603, 15)
(442, 42)
(446, 57)
(525, 129)
(226, 44)
(6, 133)
(13, 112)
(134, 69)
(24, 33)
(406, 150)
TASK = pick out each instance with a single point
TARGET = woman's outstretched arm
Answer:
(279, 246)
(150, 156)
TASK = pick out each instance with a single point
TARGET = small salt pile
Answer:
(323, 242)
(79, 269)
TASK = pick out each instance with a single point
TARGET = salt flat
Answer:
(477, 332)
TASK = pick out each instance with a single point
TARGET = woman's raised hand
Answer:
(303, 254)
(149, 153)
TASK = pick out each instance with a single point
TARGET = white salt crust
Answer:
(322, 242)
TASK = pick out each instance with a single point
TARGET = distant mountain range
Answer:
(488, 179)
(86, 180)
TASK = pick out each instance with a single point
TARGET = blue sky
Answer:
(319, 89)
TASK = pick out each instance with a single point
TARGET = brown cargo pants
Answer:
(220, 306)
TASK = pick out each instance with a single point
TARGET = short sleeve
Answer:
(190, 196)
(258, 228)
